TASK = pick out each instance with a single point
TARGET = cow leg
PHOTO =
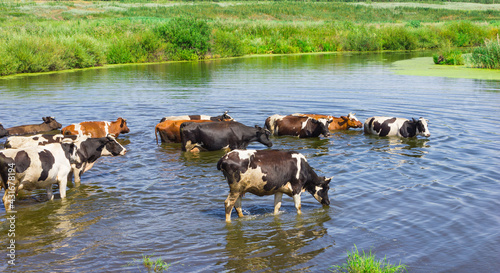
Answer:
(229, 204)
(78, 179)
(296, 200)
(237, 206)
(50, 195)
(277, 202)
(6, 200)
(62, 188)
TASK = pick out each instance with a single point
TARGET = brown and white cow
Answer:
(170, 130)
(342, 123)
(49, 124)
(97, 128)
(267, 172)
(223, 117)
(297, 126)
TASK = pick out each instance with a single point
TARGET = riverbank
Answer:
(55, 36)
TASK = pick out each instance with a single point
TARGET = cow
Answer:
(213, 136)
(170, 130)
(297, 126)
(49, 124)
(3, 132)
(16, 142)
(223, 117)
(97, 128)
(342, 123)
(267, 172)
(388, 126)
(40, 167)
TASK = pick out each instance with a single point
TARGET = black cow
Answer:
(49, 124)
(40, 167)
(298, 126)
(3, 132)
(214, 136)
(387, 126)
(268, 172)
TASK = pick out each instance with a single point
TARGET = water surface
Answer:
(429, 203)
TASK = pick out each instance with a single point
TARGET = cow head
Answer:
(263, 136)
(225, 117)
(352, 121)
(422, 127)
(3, 132)
(112, 147)
(320, 190)
(123, 125)
(51, 121)
(323, 125)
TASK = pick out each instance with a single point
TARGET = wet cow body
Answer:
(268, 172)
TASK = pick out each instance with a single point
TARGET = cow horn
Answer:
(111, 136)
(227, 111)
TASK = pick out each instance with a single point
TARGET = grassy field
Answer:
(51, 36)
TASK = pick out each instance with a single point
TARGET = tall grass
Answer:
(487, 56)
(40, 37)
(366, 262)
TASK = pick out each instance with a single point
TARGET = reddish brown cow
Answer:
(97, 128)
(170, 130)
(342, 123)
(49, 124)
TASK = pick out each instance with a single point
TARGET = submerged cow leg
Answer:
(6, 200)
(237, 206)
(229, 204)
(296, 200)
(50, 195)
(277, 202)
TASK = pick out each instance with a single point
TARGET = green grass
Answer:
(486, 56)
(366, 263)
(51, 36)
(150, 265)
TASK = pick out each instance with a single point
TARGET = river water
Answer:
(432, 204)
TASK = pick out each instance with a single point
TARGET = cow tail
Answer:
(219, 163)
(156, 133)
(3, 173)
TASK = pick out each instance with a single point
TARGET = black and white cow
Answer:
(214, 136)
(40, 167)
(297, 126)
(223, 117)
(268, 172)
(3, 132)
(17, 142)
(390, 126)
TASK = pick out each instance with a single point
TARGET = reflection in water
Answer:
(412, 147)
(276, 245)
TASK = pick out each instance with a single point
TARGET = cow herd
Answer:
(41, 160)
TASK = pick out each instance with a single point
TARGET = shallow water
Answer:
(431, 204)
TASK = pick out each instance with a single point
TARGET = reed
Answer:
(486, 56)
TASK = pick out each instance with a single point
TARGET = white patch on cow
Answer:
(245, 154)
(316, 196)
(352, 116)
(324, 121)
(78, 128)
(272, 123)
(106, 127)
(298, 157)
(304, 124)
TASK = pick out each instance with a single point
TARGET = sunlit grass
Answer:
(366, 263)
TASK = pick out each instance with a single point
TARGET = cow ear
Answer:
(328, 179)
(330, 120)
(414, 120)
(44, 119)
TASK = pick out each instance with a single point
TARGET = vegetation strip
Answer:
(54, 36)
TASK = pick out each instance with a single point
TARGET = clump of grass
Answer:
(449, 57)
(487, 56)
(157, 265)
(366, 262)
